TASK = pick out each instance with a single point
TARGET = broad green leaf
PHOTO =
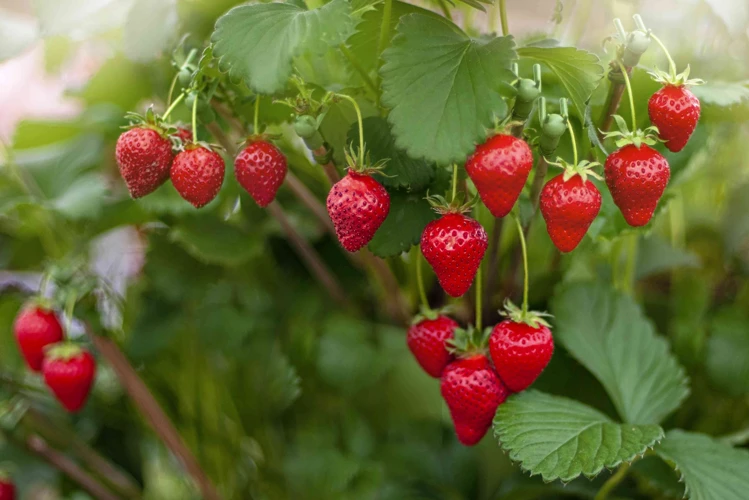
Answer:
(401, 171)
(710, 469)
(655, 255)
(258, 42)
(560, 438)
(209, 239)
(727, 360)
(608, 333)
(409, 214)
(149, 28)
(443, 87)
(83, 198)
(722, 94)
(578, 70)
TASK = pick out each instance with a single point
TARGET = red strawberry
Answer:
(144, 157)
(197, 174)
(427, 342)
(357, 205)
(35, 328)
(454, 246)
(569, 204)
(7, 488)
(260, 168)
(675, 111)
(637, 178)
(184, 134)
(69, 372)
(499, 169)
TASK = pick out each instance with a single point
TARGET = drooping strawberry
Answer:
(69, 372)
(454, 246)
(184, 134)
(197, 173)
(144, 155)
(260, 169)
(470, 387)
(427, 339)
(674, 109)
(35, 328)
(499, 169)
(357, 204)
(521, 347)
(7, 487)
(569, 204)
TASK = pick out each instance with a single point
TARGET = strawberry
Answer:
(499, 168)
(427, 339)
(520, 347)
(569, 204)
(675, 111)
(197, 174)
(35, 328)
(183, 134)
(454, 246)
(471, 388)
(7, 488)
(260, 169)
(69, 372)
(357, 204)
(143, 156)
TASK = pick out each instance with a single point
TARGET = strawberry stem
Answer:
(629, 93)
(173, 105)
(503, 18)
(671, 63)
(361, 125)
(195, 119)
(525, 264)
(69, 311)
(455, 181)
(478, 298)
(574, 142)
(256, 118)
(420, 282)
(176, 75)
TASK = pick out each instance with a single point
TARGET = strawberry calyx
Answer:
(63, 351)
(638, 137)
(150, 121)
(534, 319)
(467, 342)
(427, 313)
(583, 169)
(675, 80)
(367, 167)
(262, 137)
(457, 206)
(202, 144)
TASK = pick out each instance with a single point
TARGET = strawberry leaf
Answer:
(560, 438)
(409, 214)
(443, 87)
(608, 333)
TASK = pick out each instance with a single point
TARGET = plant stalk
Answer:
(503, 17)
(612, 482)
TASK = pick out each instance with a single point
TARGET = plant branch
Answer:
(612, 482)
(503, 17)
(309, 200)
(330, 171)
(614, 99)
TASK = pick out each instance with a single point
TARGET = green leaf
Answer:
(257, 43)
(717, 93)
(409, 214)
(710, 469)
(608, 333)
(579, 71)
(656, 255)
(560, 438)
(658, 479)
(83, 198)
(443, 87)
(210, 240)
(401, 171)
(727, 360)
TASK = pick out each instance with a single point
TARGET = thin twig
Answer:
(612, 482)
(614, 98)
(330, 171)
(309, 200)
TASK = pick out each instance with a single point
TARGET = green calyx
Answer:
(638, 137)
(673, 79)
(150, 120)
(62, 351)
(583, 169)
(457, 206)
(427, 313)
(467, 342)
(533, 319)
(367, 167)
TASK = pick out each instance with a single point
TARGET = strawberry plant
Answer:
(465, 252)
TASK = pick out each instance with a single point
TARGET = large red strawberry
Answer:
(69, 372)
(637, 178)
(427, 340)
(197, 174)
(675, 110)
(499, 168)
(260, 168)
(520, 347)
(35, 328)
(569, 204)
(7, 488)
(144, 156)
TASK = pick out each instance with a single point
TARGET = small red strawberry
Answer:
(260, 169)
(427, 339)
(69, 372)
(197, 174)
(144, 156)
(357, 205)
(7, 488)
(35, 328)
(471, 388)
(569, 204)
(499, 168)
(184, 134)
(520, 347)
(674, 109)
(454, 246)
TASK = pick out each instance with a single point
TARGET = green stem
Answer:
(521, 235)
(361, 126)
(420, 282)
(503, 17)
(445, 9)
(176, 76)
(455, 182)
(195, 119)
(671, 63)
(69, 310)
(256, 118)
(478, 298)
(629, 270)
(359, 69)
(612, 482)
(629, 93)
(574, 142)
(173, 105)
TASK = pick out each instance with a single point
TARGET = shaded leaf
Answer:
(213, 241)
(722, 93)
(655, 255)
(727, 359)
(409, 214)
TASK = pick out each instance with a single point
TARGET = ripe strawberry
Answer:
(35, 328)
(197, 174)
(260, 168)
(427, 341)
(675, 111)
(7, 488)
(357, 205)
(499, 168)
(143, 157)
(69, 372)
(454, 246)
(569, 204)
(637, 178)
(520, 347)
(184, 134)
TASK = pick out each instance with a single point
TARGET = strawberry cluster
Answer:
(68, 369)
